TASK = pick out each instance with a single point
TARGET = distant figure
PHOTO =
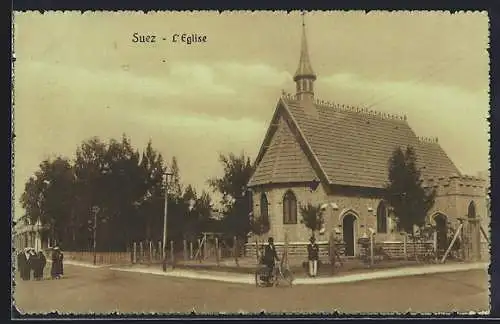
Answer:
(57, 269)
(40, 266)
(334, 252)
(313, 256)
(270, 255)
(33, 263)
(22, 264)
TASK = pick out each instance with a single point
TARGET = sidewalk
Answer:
(249, 279)
(81, 264)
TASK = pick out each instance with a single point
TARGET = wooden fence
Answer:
(101, 257)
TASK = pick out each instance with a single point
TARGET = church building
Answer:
(337, 156)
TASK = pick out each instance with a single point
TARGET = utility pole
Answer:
(164, 247)
(95, 210)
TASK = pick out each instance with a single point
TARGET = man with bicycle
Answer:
(270, 255)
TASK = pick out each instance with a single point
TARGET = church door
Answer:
(348, 233)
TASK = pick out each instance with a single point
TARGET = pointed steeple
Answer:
(305, 76)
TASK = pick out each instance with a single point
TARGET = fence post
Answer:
(190, 250)
(257, 249)
(205, 248)
(172, 257)
(160, 251)
(405, 250)
(435, 245)
(150, 251)
(134, 253)
(199, 250)
(184, 249)
(141, 251)
(217, 251)
(236, 250)
(371, 249)
(285, 250)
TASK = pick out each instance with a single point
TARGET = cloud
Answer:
(181, 81)
(254, 74)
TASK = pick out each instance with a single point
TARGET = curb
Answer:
(248, 279)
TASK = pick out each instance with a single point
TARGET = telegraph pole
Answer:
(95, 210)
(164, 245)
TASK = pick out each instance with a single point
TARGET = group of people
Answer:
(270, 256)
(31, 263)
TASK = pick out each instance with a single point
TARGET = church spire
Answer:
(305, 76)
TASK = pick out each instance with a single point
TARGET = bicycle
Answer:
(265, 279)
(429, 256)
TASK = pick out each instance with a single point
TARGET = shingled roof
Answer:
(339, 145)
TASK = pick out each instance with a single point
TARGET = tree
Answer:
(235, 199)
(259, 225)
(121, 179)
(312, 217)
(405, 193)
(203, 210)
(175, 188)
(189, 199)
(152, 201)
(108, 175)
(48, 197)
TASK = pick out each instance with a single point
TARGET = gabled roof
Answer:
(284, 160)
(344, 146)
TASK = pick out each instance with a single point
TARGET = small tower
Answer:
(304, 77)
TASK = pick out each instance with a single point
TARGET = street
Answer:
(87, 290)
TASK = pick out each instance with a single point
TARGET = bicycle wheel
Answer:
(257, 278)
(287, 277)
(258, 275)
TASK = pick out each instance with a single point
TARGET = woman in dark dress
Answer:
(34, 264)
(54, 271)
(22, 264)
(57, 269)
(41, 262)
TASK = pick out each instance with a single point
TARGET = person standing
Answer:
(34, 263)
(27, 268)
(270, 255)
(55, 271)
(22, 264)
(313, 256)
(61, 264)
(41, 262)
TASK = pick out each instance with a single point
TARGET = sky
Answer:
(80, 75)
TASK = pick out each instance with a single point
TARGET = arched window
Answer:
(381, 218)
(264, 207)
(289, 208)
(471, 212)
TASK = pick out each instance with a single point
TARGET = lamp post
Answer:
(164, 243)
(95, 210)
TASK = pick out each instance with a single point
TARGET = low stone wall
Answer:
(101, 257)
